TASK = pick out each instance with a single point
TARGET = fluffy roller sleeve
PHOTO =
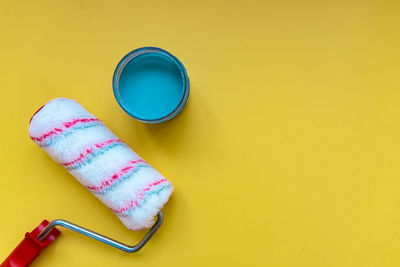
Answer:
(100, 161)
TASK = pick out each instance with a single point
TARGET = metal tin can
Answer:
(151, 85)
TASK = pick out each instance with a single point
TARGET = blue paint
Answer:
(151, 85)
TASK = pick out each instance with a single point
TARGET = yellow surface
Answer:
(287, 154)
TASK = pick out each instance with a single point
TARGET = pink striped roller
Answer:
(100, 161)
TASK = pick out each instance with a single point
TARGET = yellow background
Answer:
(286, 155)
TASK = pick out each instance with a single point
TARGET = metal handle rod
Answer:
(102, 238)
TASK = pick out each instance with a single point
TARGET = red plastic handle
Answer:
(29, 248)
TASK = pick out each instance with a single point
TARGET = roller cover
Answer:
(100, 161)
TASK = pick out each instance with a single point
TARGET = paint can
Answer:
(151, 85)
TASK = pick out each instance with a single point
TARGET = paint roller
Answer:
(129, 186)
